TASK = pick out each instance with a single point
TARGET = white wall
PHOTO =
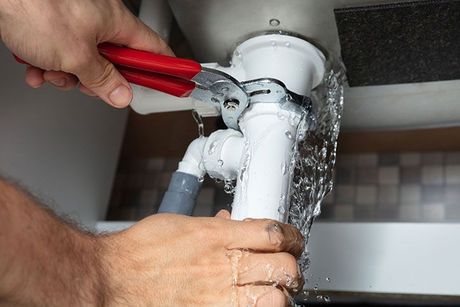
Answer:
(63, 146)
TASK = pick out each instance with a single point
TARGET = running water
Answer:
(314, 156)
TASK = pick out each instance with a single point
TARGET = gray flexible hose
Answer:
(181, 195)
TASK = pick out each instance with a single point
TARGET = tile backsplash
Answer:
(370, 187)
(400, 187)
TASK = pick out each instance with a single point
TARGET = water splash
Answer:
(314, 156)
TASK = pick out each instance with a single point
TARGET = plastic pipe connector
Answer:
(181, 195)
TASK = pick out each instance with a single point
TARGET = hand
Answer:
(171, 260)
(60, 39)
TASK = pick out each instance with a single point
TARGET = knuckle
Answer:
(276, 235)
(289, 263)
(102, 78)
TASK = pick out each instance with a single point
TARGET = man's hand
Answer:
(164, 260)
(171, 260)
(60, 39)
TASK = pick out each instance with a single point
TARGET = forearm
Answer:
(43, 260)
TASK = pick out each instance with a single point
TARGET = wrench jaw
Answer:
(222, 91)
(232, 98)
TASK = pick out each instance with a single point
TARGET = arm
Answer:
(163, 260)
(43, 260)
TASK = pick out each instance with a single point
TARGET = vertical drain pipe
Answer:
(269, 129)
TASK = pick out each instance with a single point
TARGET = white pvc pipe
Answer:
(193, 158)
(294, 61)
(263, 180)
(222, 154)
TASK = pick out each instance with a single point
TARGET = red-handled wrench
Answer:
(179, 77)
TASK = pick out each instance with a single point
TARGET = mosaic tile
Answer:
(345, 194)
(366, 195)
(433, 194)
(344, 213)
(433, 212)
(388, 194)
(452, 174)
(432, 158)
(411, 174)
(367, 175)
(388, 175)
(433, 175)
(388, 159)
(364, 213)
(410, 159)
(367, 160)
(410, 194)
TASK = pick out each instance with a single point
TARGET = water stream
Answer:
(313, 160)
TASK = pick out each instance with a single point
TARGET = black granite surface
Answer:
(407, 42)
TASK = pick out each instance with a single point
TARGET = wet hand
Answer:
(60, 39)
(171, 260)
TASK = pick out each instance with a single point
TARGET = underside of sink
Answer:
(389, 101)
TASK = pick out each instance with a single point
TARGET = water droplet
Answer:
(274, 22)
(287, 44)
(273, 43)
(220, 162)
(288, 134)
(199, 120)
(242, 172)
(237, 53)
(315, 287)
(281, 209)
(201, 179)
(326, 298)
(212, 148)
(284, 168)
(328, 279)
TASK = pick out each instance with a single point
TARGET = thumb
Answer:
(104, 80)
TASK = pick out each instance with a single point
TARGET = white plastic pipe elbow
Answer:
(193, 158)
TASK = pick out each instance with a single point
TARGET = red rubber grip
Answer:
(163, 83)
(142, 60)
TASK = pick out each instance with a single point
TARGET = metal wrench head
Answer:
(232, 97)
(223, 91)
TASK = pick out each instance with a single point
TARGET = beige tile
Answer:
(452, 174)
(411, 194)
(388, 175)
(410, 159)
(433, 212)
(345, 194)
(388, 194)
(366, 160)
(433, 175)
(409, 213)
(344, 213)
(366, 195)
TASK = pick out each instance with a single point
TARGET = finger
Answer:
(60, 79)
(279, 269)
(101, 77)
(34, 77)
(261, 296)
(86, 91)
(224, 214)
(264, 235)
(135, 34)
